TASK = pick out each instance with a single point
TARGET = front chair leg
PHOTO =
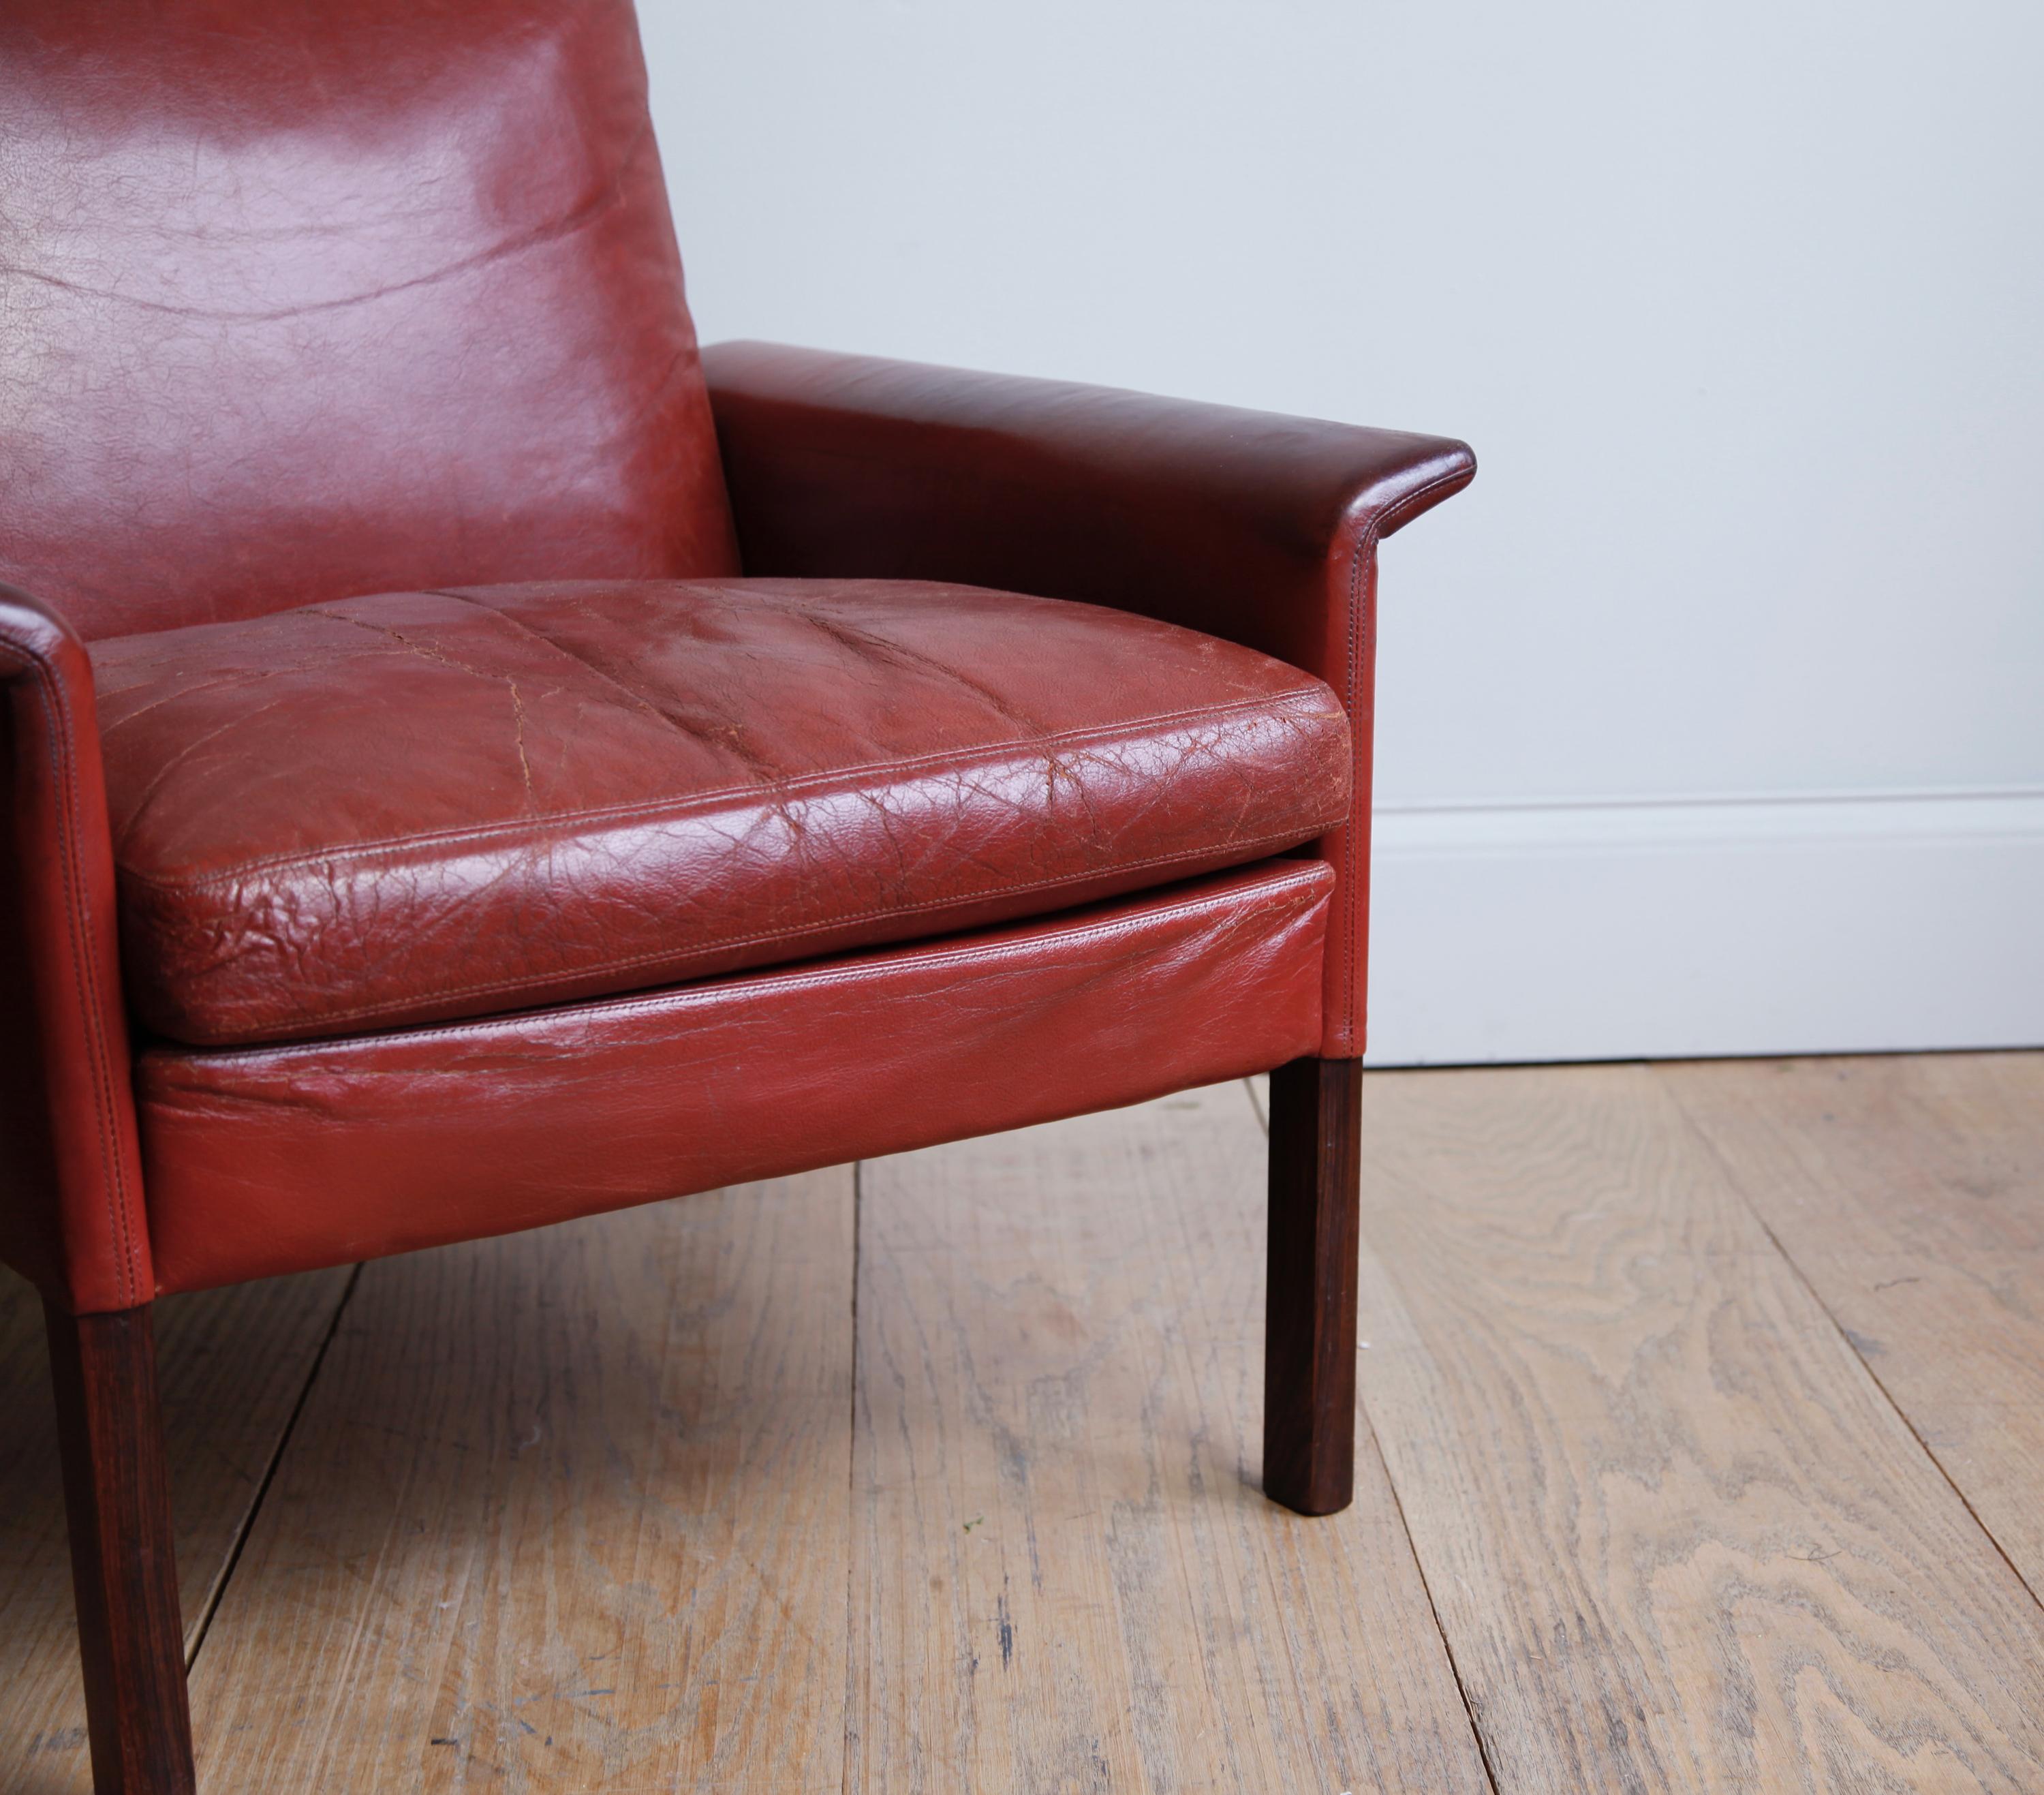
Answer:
(116, 1499)
(1309, 1327)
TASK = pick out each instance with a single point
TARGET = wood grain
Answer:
(123, 1557)
(1678, 1538)
(591, 1509)
(1309, 1349)
(1910, 1193)
(566, 1511)
(231, 1365)
(1065, 1576)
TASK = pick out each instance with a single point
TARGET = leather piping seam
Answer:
(1366, 552)
(777, 978)
(583, 215)
(681, 807)
(393, 1006)
(85, 963)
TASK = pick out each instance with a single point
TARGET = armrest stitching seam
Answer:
(85, 965)
(1366, 550)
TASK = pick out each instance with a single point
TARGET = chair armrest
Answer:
(71, 1213)
(1258, 529)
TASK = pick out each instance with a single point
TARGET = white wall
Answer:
(1740, 305)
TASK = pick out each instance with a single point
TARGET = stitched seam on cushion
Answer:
(637, 1003)
(362, 1012)
(695, 803)
(583, 215)
(85, 963)
(1365, 549)
(532, 633)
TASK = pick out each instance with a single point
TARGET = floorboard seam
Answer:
(1433, 1608)
(851, 1490)
(269, 1477)
(1845, 1335)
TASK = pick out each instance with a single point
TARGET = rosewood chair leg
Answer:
(116, 1498)
(1309, 1331)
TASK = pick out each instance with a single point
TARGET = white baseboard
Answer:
(1799, 924)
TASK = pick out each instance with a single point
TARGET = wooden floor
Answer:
(1706, 1410)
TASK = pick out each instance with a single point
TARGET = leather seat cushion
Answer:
(425, 806)
(261, 1160)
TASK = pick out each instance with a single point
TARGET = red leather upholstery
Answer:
(273, 1159)
(304, 299)
(432, 804)
(305, 302)
(1260, 529)
(71, 1214)
(329, 330)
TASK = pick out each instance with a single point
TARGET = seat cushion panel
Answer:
(271, 1160)
(424, 806)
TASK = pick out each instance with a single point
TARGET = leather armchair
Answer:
(471, 761)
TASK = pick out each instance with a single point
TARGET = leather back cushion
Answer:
(301, 299)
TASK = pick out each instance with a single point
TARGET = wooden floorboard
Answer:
(1909, 1191)
(565, 1511)
(1677, 1537)
(1655, 1355)
(1067, 1577)
(232, 1365)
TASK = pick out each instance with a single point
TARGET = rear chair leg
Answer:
(116, 1498)
(1309, 1330)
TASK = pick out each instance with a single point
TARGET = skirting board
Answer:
(1824, 923)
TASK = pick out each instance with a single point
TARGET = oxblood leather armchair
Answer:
(470, 763)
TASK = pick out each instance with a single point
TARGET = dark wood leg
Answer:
(116, 1498)
(1309, 1332)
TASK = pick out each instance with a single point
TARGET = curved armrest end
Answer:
(1094, 463)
